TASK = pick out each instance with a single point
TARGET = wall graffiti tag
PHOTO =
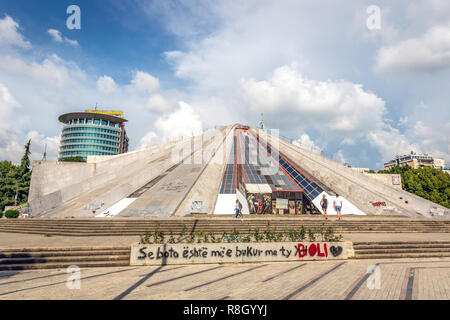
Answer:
(235, 252)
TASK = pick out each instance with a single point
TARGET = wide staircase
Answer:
(398, 249)
(131, 227)
(53, 258)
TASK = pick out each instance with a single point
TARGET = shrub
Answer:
(1, 214)
(258, 237)
(146, 239)
(12, 214)
(311, 235)
(199, 235)
(248, 238)
(171, 239)
(291, 235)
(301, 234)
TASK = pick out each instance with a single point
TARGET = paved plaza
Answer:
(343, 280)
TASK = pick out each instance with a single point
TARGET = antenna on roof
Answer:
(44, 157)
(262, 121)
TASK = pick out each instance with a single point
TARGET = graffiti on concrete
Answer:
(212, 253)
(197, 207)
(176, 185)
(378, 204)
(435, 211)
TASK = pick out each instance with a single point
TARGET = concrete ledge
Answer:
(201, 253)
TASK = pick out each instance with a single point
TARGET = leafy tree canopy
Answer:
(429, 183)
(15, 180)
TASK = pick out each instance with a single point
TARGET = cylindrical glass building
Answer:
(92, 133)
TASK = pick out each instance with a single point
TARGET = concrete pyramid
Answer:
(206, 174)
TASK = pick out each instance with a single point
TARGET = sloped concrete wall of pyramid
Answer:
(207, 174)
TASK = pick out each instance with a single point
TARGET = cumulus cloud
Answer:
(145, 82)
(13, 149)
(230, 65)
(149, 139)
(158, 103)
(339, 106)
(11, 142)
(427, 53)
(391, 142)
(434, 139)
(9, 34)
(52, 70)
(40, 144)
(106, 85)
(9, 147)
(183, 122)
(58, 37)
(7, 105)
(305, 142)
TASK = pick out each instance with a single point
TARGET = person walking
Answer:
(238, 209)
(324, 205)
(337, 203)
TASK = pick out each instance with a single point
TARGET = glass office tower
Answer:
(92, 133)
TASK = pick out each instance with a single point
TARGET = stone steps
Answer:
(404, 255)
(61, 265)
(93, 233)
(113, 256)
(51, 258)
(139, 227)
(41, 254)
(410, 249)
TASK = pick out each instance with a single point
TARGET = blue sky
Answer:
(316, 70)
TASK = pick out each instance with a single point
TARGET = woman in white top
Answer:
(337, 204)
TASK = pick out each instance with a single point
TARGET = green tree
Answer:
(25, 162)
(15, 180)
(429, 183)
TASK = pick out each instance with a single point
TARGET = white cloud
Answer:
(334, 106)
(13, 149)
(55, 34)
(8, 104)
(41, 144)
(158, 103)
(403, 121)
(11, 143)
(427, 53)
(145, 82)
(9, 34)
(106, 85)
(7, 101)
(305, 142)
(434, 139)
(339, 157)
(52, 70)
(391, 142)
(58, 37)
(150, 139)
(183, 122)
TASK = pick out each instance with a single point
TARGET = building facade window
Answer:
(85, 135)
